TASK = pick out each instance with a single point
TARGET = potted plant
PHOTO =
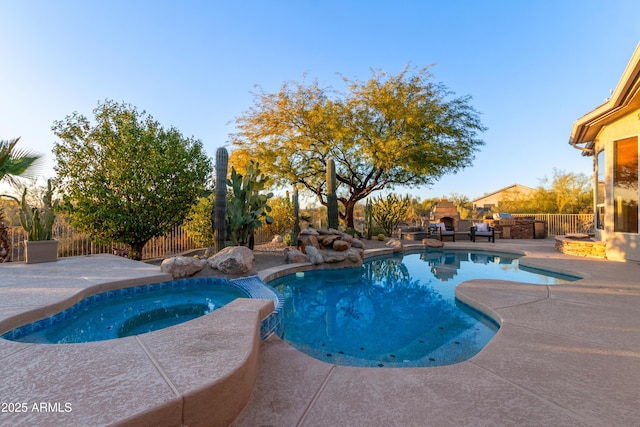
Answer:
(37, 222)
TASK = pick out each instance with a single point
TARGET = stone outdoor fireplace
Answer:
(446, 212)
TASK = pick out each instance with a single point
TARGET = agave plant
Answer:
(14, 163)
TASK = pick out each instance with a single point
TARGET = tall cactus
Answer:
(368, 219)
(332, 198)
(296, 212)
(38, 221)
(220, 202)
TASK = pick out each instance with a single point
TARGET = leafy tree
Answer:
(389, 211)
(418, 211)
(282, 214)
(125, 178)
(198, 222)
(463, 204)
(14, 163)
(390, 130)
(565, 192)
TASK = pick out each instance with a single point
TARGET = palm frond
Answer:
(17, 163)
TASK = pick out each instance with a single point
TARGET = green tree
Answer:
(463, 204)
(565, 192)
(14, 163)
(570, 192)
(282, 214)
(390, 130)
(125, 178)
(198, 222)
(389, 211)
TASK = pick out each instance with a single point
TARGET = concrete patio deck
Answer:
(564, 355)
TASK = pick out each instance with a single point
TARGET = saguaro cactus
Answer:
(296, 212)
(332, 198)
(368, 219)
(220, 202)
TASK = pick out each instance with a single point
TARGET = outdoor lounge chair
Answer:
(482, 230)
(439, 231)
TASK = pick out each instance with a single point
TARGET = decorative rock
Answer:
(233, 260)
(328, 240)
(346, 237)
(294, 256)
(331, 256)
(315, 257)
(309, 231)
(180, 266)
(432, 243)
(355, 243)
(340, 245)
(396, 245)
(276, 239)
(355, 255)
(308, 240)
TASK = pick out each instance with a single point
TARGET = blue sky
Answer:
(531, 67)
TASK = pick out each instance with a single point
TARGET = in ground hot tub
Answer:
(141, 309)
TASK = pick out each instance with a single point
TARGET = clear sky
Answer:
(531, 67)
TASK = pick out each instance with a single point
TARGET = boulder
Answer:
(315, 257)
(356, 243)
(340, 245)
(180, 266)
(233, 260)
(355, 255)
(328, 240)
(294, 256)
(432, 243)
(331, 256)
(305, 240)
(277, 239)
(309, 231)
(394, 244)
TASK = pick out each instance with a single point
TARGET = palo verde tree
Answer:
(390, 130)
(125, 178)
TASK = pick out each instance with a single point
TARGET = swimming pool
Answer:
(141, 309)
(397, 311)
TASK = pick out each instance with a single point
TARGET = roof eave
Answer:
(586, 128)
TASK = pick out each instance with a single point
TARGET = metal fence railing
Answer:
(73, 243)
(561, 224)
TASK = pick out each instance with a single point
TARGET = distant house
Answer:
(610, 135)
(491, 201)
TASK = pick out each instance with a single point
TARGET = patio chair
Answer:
(482, 230)
(439, 231)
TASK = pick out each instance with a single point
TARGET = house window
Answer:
(600, 190)
(625, 185)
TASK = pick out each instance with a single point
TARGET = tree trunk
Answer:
(136, 251)
(5, 246)
(349, 207)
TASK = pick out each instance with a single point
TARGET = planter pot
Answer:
(40, 251)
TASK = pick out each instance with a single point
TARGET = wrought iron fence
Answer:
(73, 243)
(561, 224)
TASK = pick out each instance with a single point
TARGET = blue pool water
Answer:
(130, 311)
(397, 311)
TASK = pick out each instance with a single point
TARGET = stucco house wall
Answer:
(597, 131)
(620, 246)
(492, 200)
